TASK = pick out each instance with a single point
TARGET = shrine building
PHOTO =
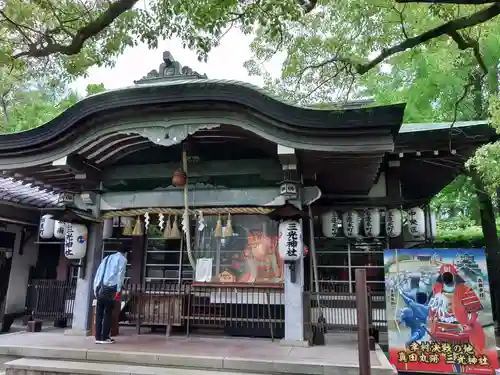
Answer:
(198, 178)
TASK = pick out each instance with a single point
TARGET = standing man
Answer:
(108, 283)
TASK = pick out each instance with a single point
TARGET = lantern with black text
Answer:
(291, 245)
(59, 230)
(371, 222)
(75, 241)
(330, 224)
(107, 229)
(416, 222)
(393, 223)
(350, 222)
(46, 229)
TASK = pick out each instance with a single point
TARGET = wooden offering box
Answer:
(159, 309)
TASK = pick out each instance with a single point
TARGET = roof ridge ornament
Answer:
(170, 70)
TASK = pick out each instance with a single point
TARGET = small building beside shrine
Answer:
(242, 212)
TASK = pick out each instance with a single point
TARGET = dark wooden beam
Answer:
(79, 166)
(208, 197)
(268, 169)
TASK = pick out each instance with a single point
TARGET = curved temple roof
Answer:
(205, 98)
(167, 105)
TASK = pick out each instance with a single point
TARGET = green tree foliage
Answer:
(329, 49)
(487, 158)
(458, 203)
(30, 106)
(69, 36)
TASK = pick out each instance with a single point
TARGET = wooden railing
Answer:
(233, 308)
(51, 300)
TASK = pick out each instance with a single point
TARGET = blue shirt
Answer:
(116, 267)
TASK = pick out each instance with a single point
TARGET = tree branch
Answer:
(449, 28)
(90, 30)
(464, 43)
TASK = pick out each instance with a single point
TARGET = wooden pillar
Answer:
(393, 186)
(63, 267)
(137, 259)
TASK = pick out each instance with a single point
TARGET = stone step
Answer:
(37, 366)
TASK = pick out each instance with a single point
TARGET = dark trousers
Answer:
(103, 317)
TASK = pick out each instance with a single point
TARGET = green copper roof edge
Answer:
(421, 127)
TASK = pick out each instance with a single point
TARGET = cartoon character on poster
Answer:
(439, 311)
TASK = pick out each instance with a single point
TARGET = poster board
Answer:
(438, 310)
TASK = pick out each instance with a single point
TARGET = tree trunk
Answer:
(491, 241)
(4, 110)
(497, 201)
(487, 212)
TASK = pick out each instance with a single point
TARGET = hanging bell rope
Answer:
(186, 211)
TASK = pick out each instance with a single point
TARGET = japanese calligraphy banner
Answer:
(439, 311)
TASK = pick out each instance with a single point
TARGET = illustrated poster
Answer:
(439, 311)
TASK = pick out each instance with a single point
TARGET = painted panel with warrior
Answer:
(439, 311)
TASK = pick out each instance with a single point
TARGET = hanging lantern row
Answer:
(74, 235)
(168, 224)
(371, 219)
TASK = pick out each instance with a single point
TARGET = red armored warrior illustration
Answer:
(263, 261)
(454, 309)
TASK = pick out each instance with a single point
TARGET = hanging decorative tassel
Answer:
(161, 221)
(137, 228)
(175, 233)
(229, 227)
(218, 228)
(146, 221)
(168, 229)
(127, 228)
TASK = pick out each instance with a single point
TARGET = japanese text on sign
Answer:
(413, 222)
(435, 353)
(368, 223)
(390, 223)
(350, 224)
(292, 241)
(69, 240)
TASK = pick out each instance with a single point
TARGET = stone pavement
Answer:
(230, 354)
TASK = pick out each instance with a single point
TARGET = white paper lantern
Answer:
(416, 222)
(107, 229)
(47, 225)
(290, 245)
(350, 222)
(75, 241)
(371, 222)
(393, 223)
(330, 224)
(432, 226)
(59, 230)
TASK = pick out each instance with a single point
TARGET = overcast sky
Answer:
(225, 62)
